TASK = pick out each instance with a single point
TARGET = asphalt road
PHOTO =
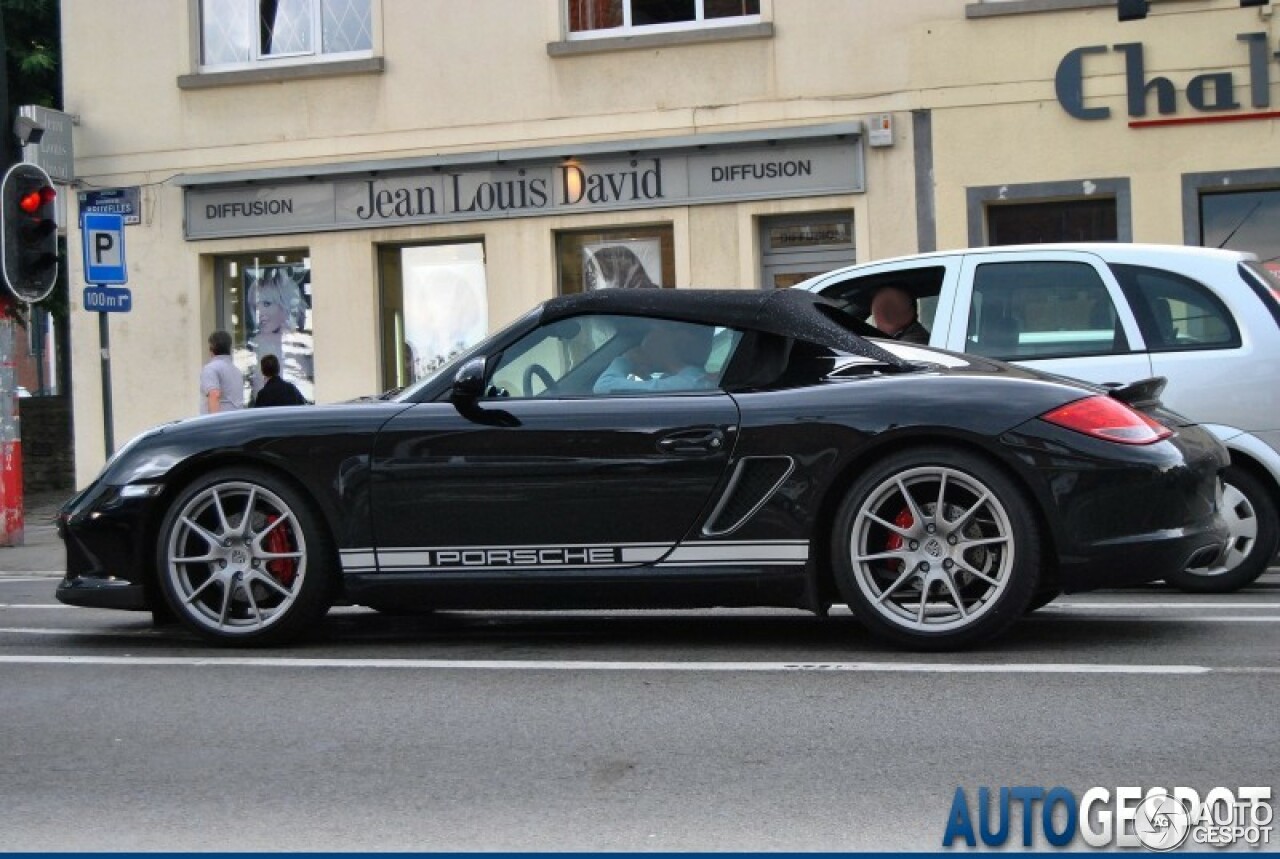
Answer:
(728, 730)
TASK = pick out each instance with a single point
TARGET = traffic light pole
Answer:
(12, 530)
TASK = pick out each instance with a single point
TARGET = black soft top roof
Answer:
(793, 313)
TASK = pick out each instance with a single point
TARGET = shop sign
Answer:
(360, 200)
(1210, 95)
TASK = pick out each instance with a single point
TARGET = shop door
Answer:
(796, 247)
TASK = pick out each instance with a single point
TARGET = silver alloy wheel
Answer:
(236, 557)
(1242, 523)
(932, 549)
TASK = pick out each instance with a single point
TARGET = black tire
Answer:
(1042, 598)
(244, 559)
(1255, 537)
(981, 557)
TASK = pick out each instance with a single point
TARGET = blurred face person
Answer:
(270, 308)
(892, 309)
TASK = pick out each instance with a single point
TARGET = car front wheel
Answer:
(243, 559)
(936, 549)
(1250, 513)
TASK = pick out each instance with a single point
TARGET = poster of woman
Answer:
(278, 316)
(626, 264)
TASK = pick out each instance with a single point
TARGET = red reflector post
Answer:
(1105, 418)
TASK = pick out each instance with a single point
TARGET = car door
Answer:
(1058, 311)
(1200, 340)
(543, 473)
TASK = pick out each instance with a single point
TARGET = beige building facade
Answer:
(364, 187)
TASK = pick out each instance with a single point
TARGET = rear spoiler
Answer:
(1142, 394)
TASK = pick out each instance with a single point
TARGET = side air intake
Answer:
(754, 481)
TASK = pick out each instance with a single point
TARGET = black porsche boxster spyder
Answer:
(657, 448)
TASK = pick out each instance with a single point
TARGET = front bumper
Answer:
(109, 557)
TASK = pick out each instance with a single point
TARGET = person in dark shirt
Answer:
(276, 391)
(893, 311)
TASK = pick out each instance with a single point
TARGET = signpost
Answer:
(105, 267)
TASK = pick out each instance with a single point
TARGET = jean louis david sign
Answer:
(597, 184)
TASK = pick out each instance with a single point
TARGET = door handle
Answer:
(693, 442)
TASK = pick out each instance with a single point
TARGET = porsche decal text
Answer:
(539, 557)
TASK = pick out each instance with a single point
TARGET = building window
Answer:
(1097, 210)
(248, 33)
(1244, 221)
(1061, 221)
(435, 305)
(264, 302)
(595, 18)
(598, 259)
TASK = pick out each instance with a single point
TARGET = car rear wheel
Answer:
(244, 560)
(1250, 513)
(936, 549)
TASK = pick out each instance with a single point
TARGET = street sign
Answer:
(108, 299)
(113, 201)
(104, 249)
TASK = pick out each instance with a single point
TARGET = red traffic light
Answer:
(32, 201)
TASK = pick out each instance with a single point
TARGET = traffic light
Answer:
(30, 228)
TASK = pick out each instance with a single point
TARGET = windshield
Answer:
(482, 348)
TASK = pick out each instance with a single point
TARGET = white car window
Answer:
(1042, 309)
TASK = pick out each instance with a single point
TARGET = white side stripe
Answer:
(577, 556)
(743, 553)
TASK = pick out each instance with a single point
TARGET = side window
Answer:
(1175, 312)
(542, 364)
(612, 355)
(664, 356)
(924, 283)
(1027, 310)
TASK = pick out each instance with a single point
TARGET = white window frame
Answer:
(259, 60)
(699, 22)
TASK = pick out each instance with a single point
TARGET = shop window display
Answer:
(629, 257)
(435, 304)
(265, 303)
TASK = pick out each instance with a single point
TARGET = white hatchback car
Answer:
(1208, 320)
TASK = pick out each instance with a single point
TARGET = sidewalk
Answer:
(41, 551)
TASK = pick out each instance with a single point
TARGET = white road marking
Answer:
(33, 605)
(546, 665)
(1145, 605)
(30, 576)
(1145, 619)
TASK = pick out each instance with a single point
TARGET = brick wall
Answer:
(48, 459)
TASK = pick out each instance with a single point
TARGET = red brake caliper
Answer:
(283, 570)
(894, 541)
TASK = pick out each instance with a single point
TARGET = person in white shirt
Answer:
(221, 382)
(672, 357)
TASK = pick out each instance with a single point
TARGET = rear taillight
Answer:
(1105, 418)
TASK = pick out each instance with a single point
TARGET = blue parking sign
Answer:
(104, 249)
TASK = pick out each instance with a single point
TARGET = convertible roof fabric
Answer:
(793, 313)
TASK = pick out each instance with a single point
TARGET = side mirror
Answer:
(468, 384)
